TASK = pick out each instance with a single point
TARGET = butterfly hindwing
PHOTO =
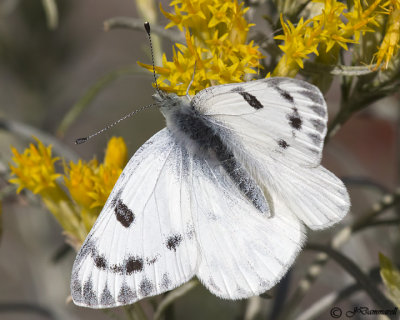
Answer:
(143, 242)
(243, 253)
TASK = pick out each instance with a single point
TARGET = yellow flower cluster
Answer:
(390, 43)
(216, 44)
(88, 184)
(335, 27)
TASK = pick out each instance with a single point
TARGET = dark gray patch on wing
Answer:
(285, 95)
(318, 125)
(106, 298)
(150, 261)
(251, 100)
(126, 295)
(76, 287)
(315, 138)
(313, 96)
(146, 287)
(85, 250)
(124, 215)
(319, 110)
(165, 282)
(89, 295)
(237, 89)
(275, 82)
(116, 198)
(190, 231)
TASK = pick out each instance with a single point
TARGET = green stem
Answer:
(173, 296)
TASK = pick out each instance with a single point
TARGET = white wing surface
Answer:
(274, 117)
(143, 242)
(276, 127)
(242, 252)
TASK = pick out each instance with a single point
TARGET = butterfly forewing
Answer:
(143, 242)
(273, 117)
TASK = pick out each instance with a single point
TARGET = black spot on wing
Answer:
(251, 100)
(100, 262)
(283, 144)
(174, 241)
(318, 125)
(295, 120)
(106, 298)
(124, 215)
(126, 295)
(133, 264)
(146, 287)
(89, 295)
(319, 110)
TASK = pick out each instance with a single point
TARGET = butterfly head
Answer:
(170, 102)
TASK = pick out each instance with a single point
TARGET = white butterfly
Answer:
(223, 193)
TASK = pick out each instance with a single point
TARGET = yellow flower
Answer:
(336, 26)
(390, 43)
(89, 184)
(34, 169)
(216, 43)
(79, 180)
(116, 153)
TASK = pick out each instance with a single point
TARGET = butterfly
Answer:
(223, 193)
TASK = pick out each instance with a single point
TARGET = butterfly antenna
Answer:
(147, 27)
(83, 140)
(191, 81)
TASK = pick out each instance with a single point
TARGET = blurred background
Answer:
(44, 72)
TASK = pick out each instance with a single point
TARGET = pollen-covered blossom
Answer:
(88, 183)
(216, 44)
(336, 26)
(391, 40)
